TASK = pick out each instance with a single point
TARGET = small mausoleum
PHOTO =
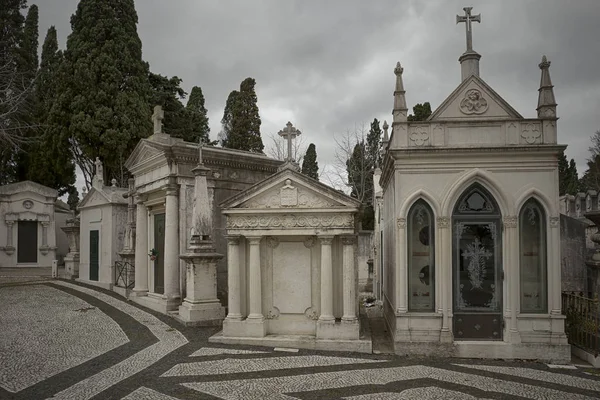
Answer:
(102, 223)
(292, 264)
(469, 224)
(30, 215)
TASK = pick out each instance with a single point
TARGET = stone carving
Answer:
(588, 203)
(311, 313)
(288, 195)
(310, 242)
(554, 222)
(99, 169)
(510, 221)
(473, 103)
(273, 313)
(531, 133)
(28, 204)
(303, 199)
(443, 222)
(272, 242)
(419, 137)
(401, 223)
(233, 175)
(338, 220)
(216, 174)
(348, 240)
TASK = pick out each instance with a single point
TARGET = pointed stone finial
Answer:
(157, 117)
(386, 138)
(83, 191)
(546, 108)
(400, 110)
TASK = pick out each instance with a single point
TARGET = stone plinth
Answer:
(72, 258)
(201, 307)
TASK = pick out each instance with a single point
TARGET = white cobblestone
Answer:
(214, 351)
(423, 393)
(145, 393)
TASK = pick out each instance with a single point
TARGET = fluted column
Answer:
(141, 248)
(233, 278)
(171, 243)
(254, 280)
(512, 274)
(444, 266)
(554, 269)
(326, 279)
(9, 233)
(349, 279)
(401, 276)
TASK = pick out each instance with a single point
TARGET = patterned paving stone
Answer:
(169, 340)
(145, 393)
(538, 375)
(233, 366)
(423, 393)
(34, 347)
(214, 351)
(277, 387)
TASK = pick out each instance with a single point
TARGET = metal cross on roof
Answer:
(467, 19)
(289, 132)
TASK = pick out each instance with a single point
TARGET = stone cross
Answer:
(289, 132)
(157, 119)
(99, 169)
(467, 19)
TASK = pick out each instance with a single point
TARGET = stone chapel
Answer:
(468, 232)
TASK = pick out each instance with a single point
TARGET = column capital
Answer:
(272, 242)
(348, 240)
(9, 222)
(401, 223)
(172, 189)
(326, 239)
(140, 199)
(554, 222)
(510, 221)
(443, 222)
(254, 239)
(45, 223)
(233, 240)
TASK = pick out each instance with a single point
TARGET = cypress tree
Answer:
(310, 166)
(167, 92)
(227, 120)
(374, 144)
(198, 116)
(245, 120)
(104, 91)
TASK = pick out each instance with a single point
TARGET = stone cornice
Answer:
(540, 148)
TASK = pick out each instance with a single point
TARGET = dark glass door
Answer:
(159, 246)
(27, 236)
(94, 255)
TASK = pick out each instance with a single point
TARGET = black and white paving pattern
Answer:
(61, 340)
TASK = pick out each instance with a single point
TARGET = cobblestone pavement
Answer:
(60, 340)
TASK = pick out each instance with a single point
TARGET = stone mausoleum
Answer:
(469, 224)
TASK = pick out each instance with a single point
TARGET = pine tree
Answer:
(420, 112)
(104, 91)
(310, 166)
(198, 116)
(245, 120)
(227, 120)
(51, 162)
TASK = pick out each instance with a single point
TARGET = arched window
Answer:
(532, 254)
(421, 285)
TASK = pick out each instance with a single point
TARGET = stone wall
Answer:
(364, 254)
(573, 253)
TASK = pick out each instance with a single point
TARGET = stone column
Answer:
(326, 280)
(254, 280)
(401, 276)
(141, 248)
(512, 275)
(233, 278)
(171, 244)
(44, 247)
(10, 248)
(554, 269)
(349, 279)
(444, 263)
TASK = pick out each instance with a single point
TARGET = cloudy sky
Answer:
(327, 66)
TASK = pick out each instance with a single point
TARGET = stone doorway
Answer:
(27, 247)
(159, 246)
(477, 267)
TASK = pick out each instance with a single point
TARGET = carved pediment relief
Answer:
(289, 194)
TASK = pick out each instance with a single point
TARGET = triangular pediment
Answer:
(289, 189)
(474, 99)
(144, 152)
(93, 198)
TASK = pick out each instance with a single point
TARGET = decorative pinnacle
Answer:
(545, 63)
(385, 131)
(398, 70)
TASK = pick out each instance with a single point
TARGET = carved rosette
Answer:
(272, 242)
(443, 222)
(401, 223)
(554, 222)
(310, 242)
(419, 137)
(510, 221)
(273, 313)
(531, 133)
(339, 220)
(311, 313)
(473, 103)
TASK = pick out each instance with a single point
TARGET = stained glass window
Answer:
(532, 253)
(421, 287)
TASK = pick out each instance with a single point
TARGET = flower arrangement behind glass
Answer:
(153, 254)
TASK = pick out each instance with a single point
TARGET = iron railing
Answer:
(582, 324)
(124, 274)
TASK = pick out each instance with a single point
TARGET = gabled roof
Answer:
(106, 196)
(474, 99)
(27, 186)
(310, 193)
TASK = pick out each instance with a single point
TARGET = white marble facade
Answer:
(29, 218)
(103, 217)
(292, 266)
(469, 217)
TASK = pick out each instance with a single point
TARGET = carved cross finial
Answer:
(545, 63)
(467, 19)
(398, 70)
(289, 132)
(385, 131)
(157, 119)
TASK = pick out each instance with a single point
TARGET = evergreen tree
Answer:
(356, 167)
(420, 112)
(374, 145)
(103, 95)
(51, 162)
(167, 92)
(227, 120)
(568, 180)
(245, 120)
(310, 166)
(73, 198)
(198, 116)
(591, 178)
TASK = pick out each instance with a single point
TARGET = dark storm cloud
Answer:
(328, 65)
